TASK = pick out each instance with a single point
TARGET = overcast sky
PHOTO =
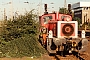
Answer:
(20, 6)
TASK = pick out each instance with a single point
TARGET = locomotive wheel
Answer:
(49, 43)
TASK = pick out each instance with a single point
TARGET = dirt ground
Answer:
(87, 54)
(44, 57)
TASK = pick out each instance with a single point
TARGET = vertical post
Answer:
(83, 33)
(69, 8)
(85, 27)
(11, 10)
(86, 23)
(4, 14)
(65, 6)
(40, 7)
(84, 19)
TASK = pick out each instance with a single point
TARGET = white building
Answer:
(82, 10)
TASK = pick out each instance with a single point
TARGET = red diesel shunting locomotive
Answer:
(59, 33)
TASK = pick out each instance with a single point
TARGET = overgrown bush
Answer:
(25, 24)
(19, 37)
(23, 46)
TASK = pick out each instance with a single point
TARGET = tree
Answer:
(63, 11)
(78, 20)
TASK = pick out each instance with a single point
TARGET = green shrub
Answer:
(24, 46)
(25, 24)
(19, 39)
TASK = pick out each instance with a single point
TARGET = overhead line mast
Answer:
(65, 6)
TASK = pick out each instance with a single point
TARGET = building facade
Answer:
(82, 11)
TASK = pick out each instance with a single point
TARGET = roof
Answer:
(80, 4)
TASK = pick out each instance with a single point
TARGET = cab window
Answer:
(62, 17)
(46, 18)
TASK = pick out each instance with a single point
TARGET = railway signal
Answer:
(45, 6)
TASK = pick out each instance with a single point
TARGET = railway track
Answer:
(58, 57)
(75, 56)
